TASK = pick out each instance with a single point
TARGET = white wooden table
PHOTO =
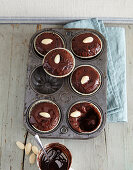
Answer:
(112, 150)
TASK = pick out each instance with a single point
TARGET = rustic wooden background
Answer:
(112, 150)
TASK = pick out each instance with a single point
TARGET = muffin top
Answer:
(46, 41)
(85, 79)
(86, 45)
(44, 116)
(84, 117)
(59, 62)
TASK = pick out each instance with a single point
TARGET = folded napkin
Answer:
(116, 67)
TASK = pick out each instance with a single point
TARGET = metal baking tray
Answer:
(65, 97)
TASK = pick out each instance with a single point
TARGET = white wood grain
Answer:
(13, 59)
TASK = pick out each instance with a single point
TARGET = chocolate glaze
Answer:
(44, 49)
(88, 121)
(65, 65)
(58, 160)
(86, 49)
(42, 123)
(91, 85)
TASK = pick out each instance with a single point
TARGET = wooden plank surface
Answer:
(112, 150)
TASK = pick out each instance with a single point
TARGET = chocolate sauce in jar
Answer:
(58, 160)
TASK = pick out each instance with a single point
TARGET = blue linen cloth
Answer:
(116, 67)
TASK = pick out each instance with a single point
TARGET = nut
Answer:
(46, 41)
(44, 114)
(20, 145)
(28, 148)
(88, 40)
(84, 79)
(35, 150)
(57, 59)
(75, 114)
(32, 158)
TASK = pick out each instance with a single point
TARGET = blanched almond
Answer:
(44, 114)
(84, 79)
(75, 114)
(28, 148)
(35, 150)
(32, 158)
(88, 40)
(20, 145)
(57, 59)
(46, 41)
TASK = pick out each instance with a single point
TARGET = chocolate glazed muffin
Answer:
(59, 62)
(86, 45)
(46, 41)
(85, 79)
(84, 117)
(44, 115)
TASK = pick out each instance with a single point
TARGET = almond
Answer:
(28, 148)
(88, 40)
(84, 79)
(46, 41)
(75, 114)
(44, 114)
(35, 150)
(20, 145)
(32, 158)
(57, 59)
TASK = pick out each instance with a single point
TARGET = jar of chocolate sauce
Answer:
(60, 158)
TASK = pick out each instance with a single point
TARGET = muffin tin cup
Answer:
(65, 97)
(62, 75)
(89, 57)
(58, 85)
(97, 107)
(41, 101)
(85, 94)
(42, 33)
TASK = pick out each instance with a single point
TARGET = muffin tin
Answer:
(41, 86)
